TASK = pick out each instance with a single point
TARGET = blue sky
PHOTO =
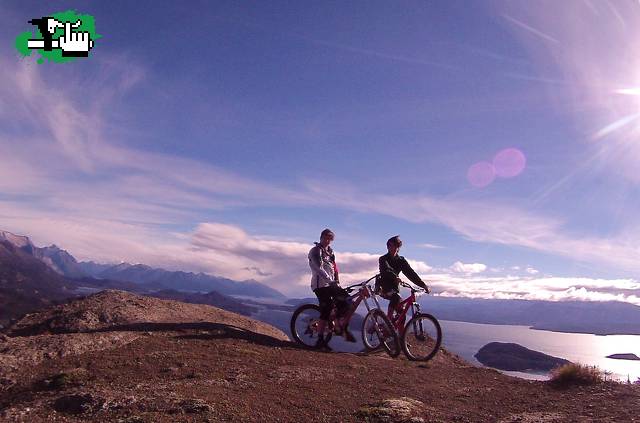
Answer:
(224, 136)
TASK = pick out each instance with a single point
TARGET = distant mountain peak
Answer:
(19, 241)
(53, 256)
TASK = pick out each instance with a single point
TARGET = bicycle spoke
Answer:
(422, 337)
(305, 324)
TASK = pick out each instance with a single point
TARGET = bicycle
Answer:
(421, 337)
(306, 318)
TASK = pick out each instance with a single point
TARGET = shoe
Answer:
(348, 336)
(322, 345)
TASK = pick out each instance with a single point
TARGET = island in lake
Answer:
(624, 356)
(514, 357)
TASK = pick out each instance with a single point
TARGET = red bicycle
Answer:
(306, 318)
(421, 337)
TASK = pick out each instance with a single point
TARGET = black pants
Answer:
(329, 295)
(391, 292)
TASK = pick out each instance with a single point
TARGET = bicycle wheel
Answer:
(304, 325)
(377, 332)
(421, 337)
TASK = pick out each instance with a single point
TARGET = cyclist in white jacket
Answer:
(325, 284)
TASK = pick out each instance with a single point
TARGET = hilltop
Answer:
(116, 356)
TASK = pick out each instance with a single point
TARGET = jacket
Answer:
(390, 268)
(322, 262)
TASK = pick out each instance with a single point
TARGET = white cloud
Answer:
(429, 246)
(495, 222)
(469, 268)
(532, 271)
(537, 288)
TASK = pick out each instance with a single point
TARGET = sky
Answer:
(499, 139)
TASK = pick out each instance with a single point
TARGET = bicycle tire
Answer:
(421, 338)
(302, 324)
(371, 331)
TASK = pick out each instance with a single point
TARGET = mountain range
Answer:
(32, 277)
(154, 278)
(600, 318)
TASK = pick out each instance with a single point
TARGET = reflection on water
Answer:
(465, 339)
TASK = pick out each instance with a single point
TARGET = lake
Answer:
(465, 339)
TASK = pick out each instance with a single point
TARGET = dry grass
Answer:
(573, 374)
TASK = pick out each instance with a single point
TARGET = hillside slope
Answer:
(120, 357)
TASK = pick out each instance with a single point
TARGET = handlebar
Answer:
(359, 284)
(416, 289)
(354, 286)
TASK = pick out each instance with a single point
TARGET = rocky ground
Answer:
(125, 358)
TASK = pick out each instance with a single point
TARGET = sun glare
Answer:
(629, 91)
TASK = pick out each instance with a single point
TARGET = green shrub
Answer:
(577, 374)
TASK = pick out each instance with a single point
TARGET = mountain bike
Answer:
(306, 318)
(421, 337)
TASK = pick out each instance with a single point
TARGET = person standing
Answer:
(325, 284)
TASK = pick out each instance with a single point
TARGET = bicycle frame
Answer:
(403, 308)
(363, 294)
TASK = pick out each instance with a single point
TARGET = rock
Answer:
(6, 382)
(65, 379)
(78, 404)
(3, 337)
(195, 406)
(514, 357)
(394, 410)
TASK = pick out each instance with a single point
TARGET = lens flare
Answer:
(509, 162)
(481, 174)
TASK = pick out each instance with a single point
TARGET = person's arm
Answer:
(412, 275)
(315, 262)
(335, 268)
(386, 271)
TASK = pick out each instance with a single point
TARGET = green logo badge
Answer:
(60, 37)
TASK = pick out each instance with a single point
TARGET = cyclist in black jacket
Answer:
(391, 264)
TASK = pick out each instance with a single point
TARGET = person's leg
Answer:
(343, 307)
(398, 309)
(325, 303)
(394, 301)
